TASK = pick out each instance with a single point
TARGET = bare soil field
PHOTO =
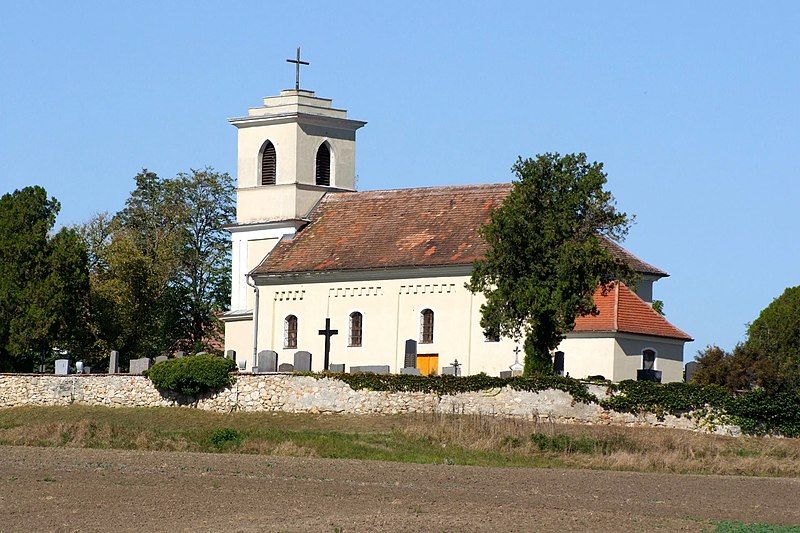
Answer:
(71, 489)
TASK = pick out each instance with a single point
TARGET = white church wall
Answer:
(628, 357)
(586, 356)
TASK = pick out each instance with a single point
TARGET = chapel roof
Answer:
(419, 227)
(621, 310)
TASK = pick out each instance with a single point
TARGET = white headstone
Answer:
(62, 367)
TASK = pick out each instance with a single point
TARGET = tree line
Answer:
(147, 280)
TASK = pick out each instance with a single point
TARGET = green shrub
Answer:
(193, 375)
(668, 398)
(224, 436)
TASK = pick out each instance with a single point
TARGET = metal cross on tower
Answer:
(297, 62)
(328, 332)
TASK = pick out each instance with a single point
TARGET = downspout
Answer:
(248, 279)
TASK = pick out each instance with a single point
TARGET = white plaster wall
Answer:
(628, 357)
(584, 357)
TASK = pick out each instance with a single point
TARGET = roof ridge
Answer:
(658, 316)
(430, 188)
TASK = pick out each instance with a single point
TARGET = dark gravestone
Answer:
(161, 358)
(410, 360)
(558, 363)
(62, 367)
(505, 373)
(644, 374)
(410, 371)
(336, 368)
(113, 362)
(286, 367)
(231, 354)
(302, 361)
(691, 368)
(137, 366)
(267, 361)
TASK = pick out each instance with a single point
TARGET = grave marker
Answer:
(302, 361)
(62, 367)
(286, 367)
(113, 362)
(138, 366)
(410, 360)
(267, 361)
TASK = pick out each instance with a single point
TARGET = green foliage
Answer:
(160, 268)
(193, 375)
(658, 306)
(455, 384)
(775, 334)
(224, 437)
(43, 282)
(743, 368)
(756, 411)
(546, 253)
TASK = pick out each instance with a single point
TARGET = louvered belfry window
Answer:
(355, 328)
(268, 164)
(426, 327)
(324, 165)
(290, 332)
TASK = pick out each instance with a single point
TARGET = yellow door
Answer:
(428, 364)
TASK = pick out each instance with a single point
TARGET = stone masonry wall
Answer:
(305, 394)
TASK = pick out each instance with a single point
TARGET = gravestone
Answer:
(337, 368)
(410, 360)
(505, 373)
(62, 367)
(647, 374)
(87, 370)
(286, 367)
(79, 367)
(179, 354)
(449, 371)
(161, 358)
(267, 361)
(411, 371)
(370, 369)
(302, 361)
(691, 368)
(230, 354)
(113, 362)
(138, 366)
(558, 363)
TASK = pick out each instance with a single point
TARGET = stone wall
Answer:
(305, 394)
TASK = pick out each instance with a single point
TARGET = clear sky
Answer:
(694, 109)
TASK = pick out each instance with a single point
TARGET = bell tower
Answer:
(292, 149)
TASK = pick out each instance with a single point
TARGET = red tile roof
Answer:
(431, 226)
(621, 310)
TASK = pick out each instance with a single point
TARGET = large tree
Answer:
(43, 282)
(161, 266)
(546, 253)
(776, 332)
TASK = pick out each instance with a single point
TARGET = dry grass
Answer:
(614, 447)
(433, 438)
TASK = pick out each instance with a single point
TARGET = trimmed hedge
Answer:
(192, 375)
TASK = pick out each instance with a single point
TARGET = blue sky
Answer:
(694, 109)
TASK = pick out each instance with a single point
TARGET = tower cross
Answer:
(297, 62)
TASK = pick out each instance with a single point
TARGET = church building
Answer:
(312, 255)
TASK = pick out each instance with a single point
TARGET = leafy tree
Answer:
(546, 253)
(776, 332)
(43, 282)
(658, 307)
(161, 266)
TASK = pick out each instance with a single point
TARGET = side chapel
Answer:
(387, 266)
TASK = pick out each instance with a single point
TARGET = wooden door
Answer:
(428, 363)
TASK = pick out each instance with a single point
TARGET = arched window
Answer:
(324, 165)
(648, 359)
(355, 329)
(426, 327)
(290, 332)
(268, 164)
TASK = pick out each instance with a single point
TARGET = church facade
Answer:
(385, 267)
